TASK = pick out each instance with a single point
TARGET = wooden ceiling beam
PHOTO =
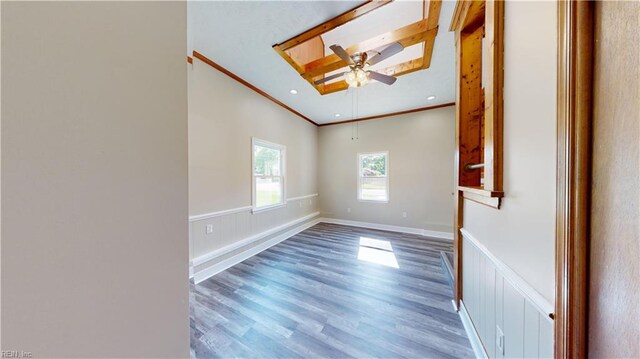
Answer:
(424, 31)
(433, 13)
(332, 23)
(428, 52)
(395, 70)
(466, 13)
(403, 68)
(288, 59)
(409, 35)
(432, 16)
(297, 67)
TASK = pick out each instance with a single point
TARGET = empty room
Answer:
(320, 179)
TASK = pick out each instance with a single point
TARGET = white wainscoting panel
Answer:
(209, 265)
(238, 227)
(494, 296)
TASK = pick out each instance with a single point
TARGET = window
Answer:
(268, 161)
(373, 179)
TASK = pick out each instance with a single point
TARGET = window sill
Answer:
(480, 195)
(371, 201)
(268, 208)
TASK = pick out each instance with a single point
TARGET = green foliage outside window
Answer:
(374, 165)
(267, 161)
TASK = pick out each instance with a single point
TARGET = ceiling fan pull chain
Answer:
(356, 95)
(357, 110)
(352, 113)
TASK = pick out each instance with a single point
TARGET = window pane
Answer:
(373, 165)
(267, 161)
(373, 189)
(268, 191)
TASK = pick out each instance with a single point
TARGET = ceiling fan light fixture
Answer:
(356, 77)
(350, 78)
(361, 76)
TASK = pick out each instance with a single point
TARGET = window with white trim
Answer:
(373, 177)
(268, 170)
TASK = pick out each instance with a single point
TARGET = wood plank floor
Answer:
(310, 296)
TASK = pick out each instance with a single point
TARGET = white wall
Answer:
(521, 234)
(0, 187)
(94, 177)
(420, 146)
(223, 116)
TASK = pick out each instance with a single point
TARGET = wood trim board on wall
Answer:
(209, 62)
(220, 68)
(574, 91)
(389, 114)
(479, 27)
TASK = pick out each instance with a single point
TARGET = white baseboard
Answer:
(385, 227)
(474, 338)
(247, 241)
(294, 227)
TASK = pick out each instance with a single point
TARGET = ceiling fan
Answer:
(358, 75)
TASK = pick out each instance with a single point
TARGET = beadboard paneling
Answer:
(495, 298)
(236, 226)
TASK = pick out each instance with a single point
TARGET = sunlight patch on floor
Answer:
(377, 251)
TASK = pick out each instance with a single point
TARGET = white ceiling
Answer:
(239, 36)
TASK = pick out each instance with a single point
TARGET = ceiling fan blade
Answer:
(386, 79)
(389, 51)
(338, 50)
(329, 78)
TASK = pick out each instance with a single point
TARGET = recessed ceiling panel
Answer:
(239, 36)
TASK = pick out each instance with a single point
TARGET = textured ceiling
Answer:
(238, 35)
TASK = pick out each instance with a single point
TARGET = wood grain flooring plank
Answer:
(372, 346)
(311, 297)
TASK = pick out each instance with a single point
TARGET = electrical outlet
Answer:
(404, 214)
(499, 340)
(348, 210)
(209, 229)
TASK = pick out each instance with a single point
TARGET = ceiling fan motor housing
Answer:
(359, 59)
